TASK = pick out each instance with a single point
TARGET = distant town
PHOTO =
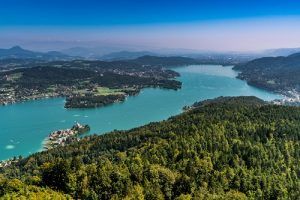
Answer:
(64, 137)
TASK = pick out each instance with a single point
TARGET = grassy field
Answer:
(102, 91)
(107, 91)
(97, 91)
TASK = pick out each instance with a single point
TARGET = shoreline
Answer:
(42, 141)
(41, 97)
(66, 96)
(64, 136)
(289, 96)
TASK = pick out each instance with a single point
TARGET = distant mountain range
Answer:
(127, 55)
(165, 61)
(107, 55)
(19, 56)
(110, 54)
(83, 52)
(17, 52)
(281, 52)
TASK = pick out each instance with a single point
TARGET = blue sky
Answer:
(32, 22)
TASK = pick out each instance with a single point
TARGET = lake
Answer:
(24, 126)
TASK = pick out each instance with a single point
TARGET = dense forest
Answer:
(227, 148)
(272, 73)
(92, 101)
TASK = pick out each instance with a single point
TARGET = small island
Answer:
(64, 137)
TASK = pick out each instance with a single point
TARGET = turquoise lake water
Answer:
(24, 126)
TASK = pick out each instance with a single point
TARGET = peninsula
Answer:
(85, 84)
(277, 74)
(64, 137)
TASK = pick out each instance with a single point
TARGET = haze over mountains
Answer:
(20, 53)
(281, 51)
(273, 69)
(98, 53)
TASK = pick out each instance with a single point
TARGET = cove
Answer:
(24, 126)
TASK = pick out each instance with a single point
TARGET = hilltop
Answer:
(279, 74)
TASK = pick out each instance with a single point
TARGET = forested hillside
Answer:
(278, 74)
(229, 148)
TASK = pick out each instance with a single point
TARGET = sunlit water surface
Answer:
(24, 126)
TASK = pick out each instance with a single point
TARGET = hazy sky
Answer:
(231, 25)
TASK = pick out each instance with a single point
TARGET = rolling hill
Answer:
(278, 74)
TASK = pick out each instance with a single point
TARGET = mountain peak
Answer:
(16, 48)
(20, 53)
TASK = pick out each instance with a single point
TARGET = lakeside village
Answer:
(12, 95)
(55, 139)
(291, 98)
(6, 163)
(64, 137)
